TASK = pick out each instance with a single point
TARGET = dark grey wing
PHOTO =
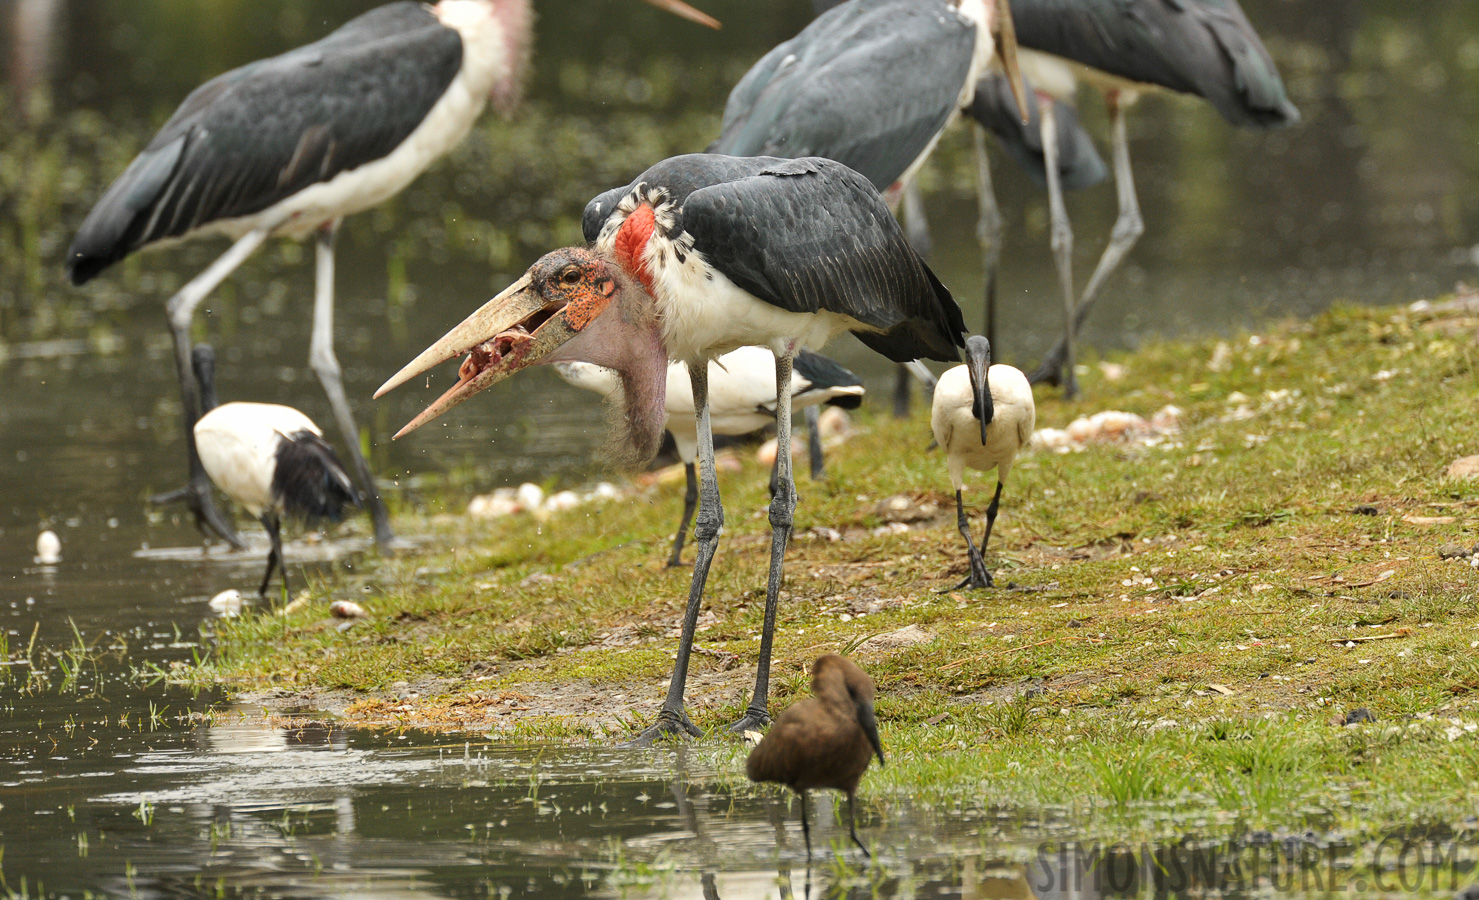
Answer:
(811, 234)
(256, 135)
(1079, 164)
(1202, 47)
(598, 211)
(815, 372)
(869, 84)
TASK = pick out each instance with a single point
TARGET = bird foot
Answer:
(976, 581)
(208, 519)
(752, 720)
(1049, 372)
(669, 725)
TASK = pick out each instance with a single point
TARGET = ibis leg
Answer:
(274, 555)
(1062, 243)
(690, 501)
(672, 720)
(852, 824)
(196, 494)
(782, 519)
(814, 452)
(1127, 231)
(991, 516)
(979, 577)
(989, 228)
(326, 365)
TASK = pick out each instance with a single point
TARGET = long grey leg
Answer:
(197, 493)
(979, 577)
(989, 229)
(690, 500)
(806, 831)
(672, 720)
(326, 365)
(1062, 242)
(782, 519)
(852, 824)
(814, 444)
(273, 525)
(1127, 231)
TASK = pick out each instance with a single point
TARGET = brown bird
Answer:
(824, 741)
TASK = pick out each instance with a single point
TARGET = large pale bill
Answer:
(679, 8)
(1007, 32)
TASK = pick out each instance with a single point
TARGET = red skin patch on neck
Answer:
(631, 240)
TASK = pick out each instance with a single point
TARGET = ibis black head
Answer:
(978, 361)
(203, 362)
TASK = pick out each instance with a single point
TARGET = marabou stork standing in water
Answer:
(871, 84)
(271, 459)
(700, 255)
(741, 401)
(983, 415)
(293, 144)
(1206, 48)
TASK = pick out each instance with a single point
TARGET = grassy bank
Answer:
(1200, 615)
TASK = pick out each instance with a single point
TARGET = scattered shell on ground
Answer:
(228, 603)
(562, 501)
(348, 609)
(1221, 359)
(48, 548)
(907, 636)
(530, 496)
(903, 508)
(835, 426)
(1112, 371)
(1109, 426)
(1429, 520)
(1464, 467)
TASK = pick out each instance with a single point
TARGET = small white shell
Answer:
(562, 501)
(227, 603)
(530, 496)
(348, 609)
(48, 548)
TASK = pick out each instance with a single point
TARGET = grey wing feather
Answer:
(256, 135)
(1079, 164)
(1202, 47)
(811, 234)
(835, 90)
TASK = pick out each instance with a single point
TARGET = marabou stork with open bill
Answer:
(742, 394)
(292, 144)
(703, 254)
(1078, 163)
(825, 741)
(272, 460)
(871, 84)
(1206, 48)
(983, 415)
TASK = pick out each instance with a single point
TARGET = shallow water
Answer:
(112, 782)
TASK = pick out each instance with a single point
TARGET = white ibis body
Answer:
(983, 416)
(742, 396)
(292, 144)
(872, 84)
(1206, 48)
(272, 460)
(825, 741)
(703, 254)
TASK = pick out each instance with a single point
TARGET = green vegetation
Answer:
(1196, 617)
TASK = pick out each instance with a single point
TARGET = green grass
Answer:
(1184, 647)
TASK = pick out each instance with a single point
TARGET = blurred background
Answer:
(1370, 199)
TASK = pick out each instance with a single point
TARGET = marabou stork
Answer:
(1206, 48)
(825, 741)
(703, 254)
(871, 84)
(293, 144)
(741, 401)
(983, 416)
(271, 459)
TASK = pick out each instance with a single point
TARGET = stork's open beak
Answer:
(513, 331)
(1006, 48)
(679, 8)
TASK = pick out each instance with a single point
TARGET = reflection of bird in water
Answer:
(290, 146)
(271, 459)
(741, 401)
(1206, 48)
(700, 255)
(982, 418)
(825, 741)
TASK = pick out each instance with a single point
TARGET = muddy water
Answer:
(115, 783)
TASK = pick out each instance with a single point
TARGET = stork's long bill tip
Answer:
(683, 10)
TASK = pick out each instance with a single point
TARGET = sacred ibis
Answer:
(741, 401)
(700, 255)
(271, 459)
(983, 416)
(290, 146)
(824, 741)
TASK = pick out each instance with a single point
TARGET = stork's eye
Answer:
(571, 275)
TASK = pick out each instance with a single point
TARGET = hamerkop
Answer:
(825, 741)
